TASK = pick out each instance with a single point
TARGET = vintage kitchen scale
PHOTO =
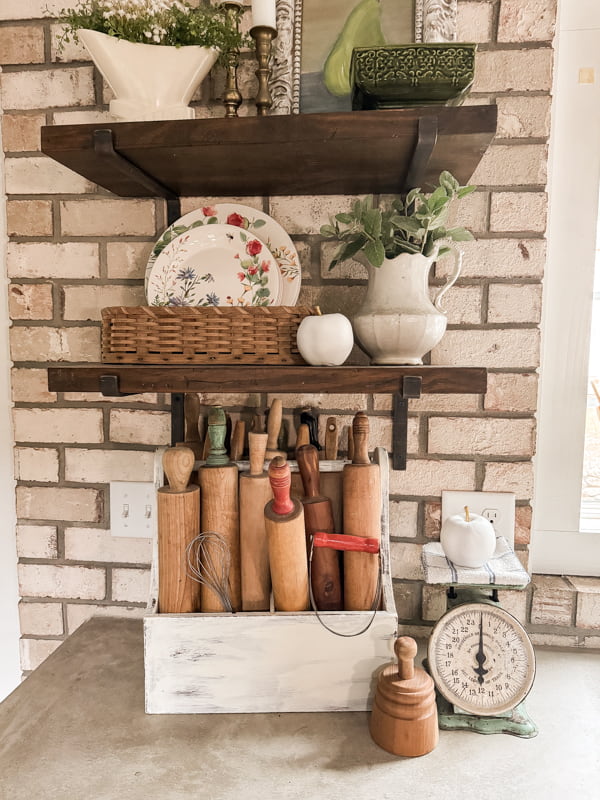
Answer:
(479, 656)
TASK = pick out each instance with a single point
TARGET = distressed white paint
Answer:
(258, 662)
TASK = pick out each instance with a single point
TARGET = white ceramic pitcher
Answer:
(397, 322)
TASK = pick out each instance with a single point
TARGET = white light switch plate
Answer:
(132, 509)
(498, 507)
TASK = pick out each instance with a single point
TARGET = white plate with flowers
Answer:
(215, 265)
(254, 222)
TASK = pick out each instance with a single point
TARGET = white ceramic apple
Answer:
(468, 540)
(325, 340)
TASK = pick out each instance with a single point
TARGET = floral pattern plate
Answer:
(216, 265)
(249, 219)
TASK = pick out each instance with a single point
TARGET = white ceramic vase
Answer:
(149, 81)
(397, 322)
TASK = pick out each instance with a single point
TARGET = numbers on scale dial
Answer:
(482, 659)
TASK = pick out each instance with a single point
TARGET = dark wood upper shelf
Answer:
(134, 379)
(351, 153)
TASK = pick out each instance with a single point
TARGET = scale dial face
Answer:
(481, 659)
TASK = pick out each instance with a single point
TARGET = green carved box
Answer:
(396, 76)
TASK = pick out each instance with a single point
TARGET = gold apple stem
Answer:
(467, 517)
(318, 310)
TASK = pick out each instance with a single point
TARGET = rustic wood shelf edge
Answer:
(402, 383)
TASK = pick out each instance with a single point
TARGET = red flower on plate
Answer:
(252, 270)
(240, 276)
(236, 219)
(209, 211)
(254, 247)
(264, 266)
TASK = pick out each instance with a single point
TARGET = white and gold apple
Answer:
(325, 340)
(468, 540)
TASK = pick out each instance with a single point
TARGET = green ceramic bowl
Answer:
(396, 76)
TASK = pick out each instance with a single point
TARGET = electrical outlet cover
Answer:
(498, 507)
(132, 509)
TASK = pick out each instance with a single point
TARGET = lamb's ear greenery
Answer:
(414, 223)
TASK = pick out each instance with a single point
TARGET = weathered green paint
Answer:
(217, 428)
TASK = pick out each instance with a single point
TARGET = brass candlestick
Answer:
(263, 37)
(232, 99)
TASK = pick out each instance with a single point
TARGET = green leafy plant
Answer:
(161, 22)
(413, 224)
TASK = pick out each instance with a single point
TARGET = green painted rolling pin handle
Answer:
(217, 428)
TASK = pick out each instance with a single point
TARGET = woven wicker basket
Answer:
(189, 335)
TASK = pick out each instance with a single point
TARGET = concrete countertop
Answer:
(76, 730)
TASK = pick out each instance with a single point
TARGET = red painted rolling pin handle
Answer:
(341, 541)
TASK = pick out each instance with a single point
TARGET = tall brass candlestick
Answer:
(263, 37)
(232, 98)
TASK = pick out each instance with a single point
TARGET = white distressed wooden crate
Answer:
(269, 661)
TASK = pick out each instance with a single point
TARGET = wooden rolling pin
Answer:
(331, 482)
(255, 493)
(238, 438)
(318, 516)
(404, 719)
(178, 524)
(191, 412)
(220, 510)
(284, 523)
(362, 517)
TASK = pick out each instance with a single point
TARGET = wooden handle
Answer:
(350, 448)
(360, 436)
(331, 439)
(191, 412)
(308, 464)
(258, 423)
(406, 649)
(303, 436)
(257, 446)
(237, 440)
(217, 428)
(274, 426)
(178, 463)
(280, 478)
(339, 541)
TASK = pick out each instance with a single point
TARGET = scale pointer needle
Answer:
(480, 656)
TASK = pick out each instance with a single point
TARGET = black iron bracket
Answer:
(411, 388)
(177, 418)
(109, 386)
(426, 140)
(104, 147)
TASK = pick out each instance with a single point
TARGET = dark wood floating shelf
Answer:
(357, 152)
(402, 383)
(139, 378)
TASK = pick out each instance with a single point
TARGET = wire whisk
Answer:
(208, 562)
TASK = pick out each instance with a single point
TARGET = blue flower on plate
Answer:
(186, 274)
(212, 299)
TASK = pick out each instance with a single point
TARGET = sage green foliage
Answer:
(411, 224)
(155, 22)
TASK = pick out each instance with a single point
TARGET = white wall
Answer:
(558, 546)
(10, 673)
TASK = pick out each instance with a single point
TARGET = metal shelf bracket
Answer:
(426, 140)
(410, 388)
